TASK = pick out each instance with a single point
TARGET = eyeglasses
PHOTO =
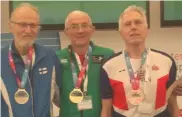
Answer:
(25, 25)
(136, 22)
(77, 26)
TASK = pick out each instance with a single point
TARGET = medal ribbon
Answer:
(21, 84)
(81, 75)
(135, 81)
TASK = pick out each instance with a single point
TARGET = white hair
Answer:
(75, 12)
(132, 8)
(28, 5)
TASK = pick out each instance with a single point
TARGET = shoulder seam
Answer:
(115, 55)
(164, 54)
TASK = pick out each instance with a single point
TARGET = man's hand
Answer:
(178, 89)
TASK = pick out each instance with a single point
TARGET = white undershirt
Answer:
(135, 63)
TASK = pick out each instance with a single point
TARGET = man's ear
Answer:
(148, 30)
(93, 29)
(120, 32)
(10, 26)
(66, 32)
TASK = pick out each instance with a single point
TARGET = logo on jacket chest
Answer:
(97, 58)
(43, 70)
(64, 60)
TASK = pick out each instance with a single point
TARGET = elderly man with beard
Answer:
(29, 71)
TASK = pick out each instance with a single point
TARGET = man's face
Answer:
(133, 28)
(24, 26)
(79, 30)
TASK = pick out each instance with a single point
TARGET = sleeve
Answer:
(172, 74)
(4, 108)
(109, 53)
(57, 82)
(105, 87)
(59, 72)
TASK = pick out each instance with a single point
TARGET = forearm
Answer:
(105, 113)
(56, 97)
(106, 108)
(173, 106)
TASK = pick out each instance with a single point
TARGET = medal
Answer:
(135, 84)
(76, 96)
(21, 96)
(136, 97)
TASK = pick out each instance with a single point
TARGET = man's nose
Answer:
(80, 29)
(28, 29)
(133, 26)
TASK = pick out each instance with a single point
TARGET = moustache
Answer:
(27, 36)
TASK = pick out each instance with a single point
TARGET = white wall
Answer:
(4, 16)
(166, 39)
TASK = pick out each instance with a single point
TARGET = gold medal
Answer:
(76, 96)
(136, 97)
(21, 96)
